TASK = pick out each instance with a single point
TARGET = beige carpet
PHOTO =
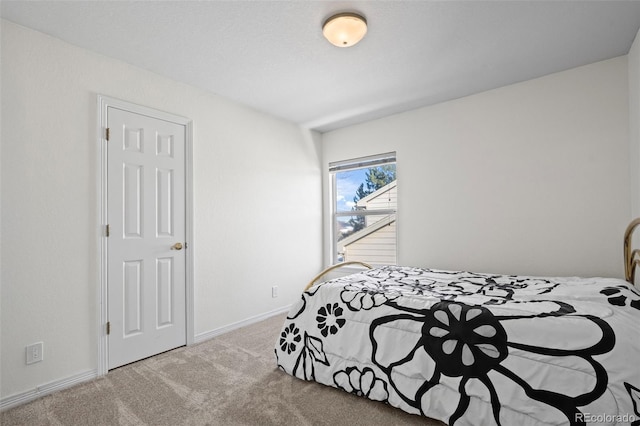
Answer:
(229, 380)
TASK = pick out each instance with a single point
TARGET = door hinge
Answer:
(108, 327)
(106, 134)
(107, 230)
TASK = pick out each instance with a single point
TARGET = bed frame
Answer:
(631, 257)
(336, 266)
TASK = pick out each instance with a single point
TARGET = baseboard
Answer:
(227, 328)
(46, 389)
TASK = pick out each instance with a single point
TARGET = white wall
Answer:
(257, 183)
(530, 178)
(0, 210)
(633, 59)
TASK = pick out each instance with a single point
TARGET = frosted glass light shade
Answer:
(344, 29)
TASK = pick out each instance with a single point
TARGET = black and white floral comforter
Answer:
(472, 349)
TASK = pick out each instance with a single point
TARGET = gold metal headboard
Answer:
(631, 257)
(336, 266)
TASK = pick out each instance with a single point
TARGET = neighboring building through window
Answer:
(364, 200)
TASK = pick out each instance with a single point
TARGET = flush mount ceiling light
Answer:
(344, 29)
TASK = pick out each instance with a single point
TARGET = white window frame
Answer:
(354, 164)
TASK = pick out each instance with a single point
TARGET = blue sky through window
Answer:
(347, 184)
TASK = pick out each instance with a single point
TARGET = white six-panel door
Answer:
(146, 242)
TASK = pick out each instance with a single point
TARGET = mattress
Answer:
(469, 348)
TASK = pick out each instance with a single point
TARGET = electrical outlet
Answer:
(35, 353)
(274, 291)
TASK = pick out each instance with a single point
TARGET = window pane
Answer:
(364, 189)
(364, 218)
(367, 238)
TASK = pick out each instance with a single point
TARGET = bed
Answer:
(472, 348)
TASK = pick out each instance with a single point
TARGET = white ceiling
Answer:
(271, 55)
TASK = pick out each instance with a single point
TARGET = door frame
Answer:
(104, 102)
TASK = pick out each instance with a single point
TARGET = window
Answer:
(364, 199)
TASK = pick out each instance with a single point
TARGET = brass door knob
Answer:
(176, 246)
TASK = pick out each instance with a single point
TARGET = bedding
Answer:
(469, 348)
